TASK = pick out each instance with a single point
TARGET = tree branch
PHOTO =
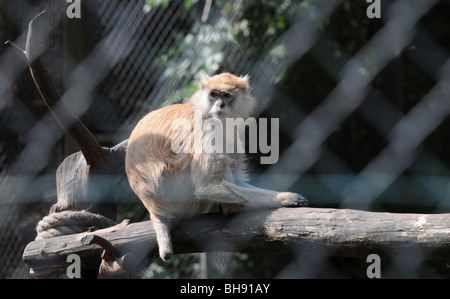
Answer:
(78, 176)
(36, 47)
(330, 232)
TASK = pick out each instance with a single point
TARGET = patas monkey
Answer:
(173, 185)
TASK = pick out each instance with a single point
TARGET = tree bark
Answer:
(330, 232)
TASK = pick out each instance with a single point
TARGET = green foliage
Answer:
(150, 4)
(209, 47)
(201, 50)
(178, 267)
(189, 3)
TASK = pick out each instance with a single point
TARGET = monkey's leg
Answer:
(227, 192)
(262, 197)
(285, 198)
(162, 229)
(222, 192)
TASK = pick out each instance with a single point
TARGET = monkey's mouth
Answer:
(219, 114)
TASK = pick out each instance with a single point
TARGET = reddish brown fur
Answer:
(226, 82)
(173, 185)
(149, 154)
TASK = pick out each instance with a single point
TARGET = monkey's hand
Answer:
(289, 199)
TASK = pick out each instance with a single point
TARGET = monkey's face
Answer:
(224, 96)
(221, 104)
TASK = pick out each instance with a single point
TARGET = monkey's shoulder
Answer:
(171, 113)
(162, 119)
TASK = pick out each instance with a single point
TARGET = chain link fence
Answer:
(363, 105)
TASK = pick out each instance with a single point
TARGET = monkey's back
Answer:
(155, 172)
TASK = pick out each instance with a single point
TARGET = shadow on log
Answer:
(329, 232)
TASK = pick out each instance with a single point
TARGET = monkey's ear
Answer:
(203, 79)
(246, 80)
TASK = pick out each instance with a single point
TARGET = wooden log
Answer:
(83, 187)
(330, 232)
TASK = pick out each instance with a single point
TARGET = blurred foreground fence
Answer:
(363, 107)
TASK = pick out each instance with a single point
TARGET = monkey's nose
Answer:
(220, 104)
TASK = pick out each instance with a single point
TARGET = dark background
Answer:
(382, 148)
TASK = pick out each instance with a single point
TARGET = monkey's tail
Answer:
(162, 229)
(38, 30)
(82, 136)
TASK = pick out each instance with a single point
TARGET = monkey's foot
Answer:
(165, 253)
(289, 199)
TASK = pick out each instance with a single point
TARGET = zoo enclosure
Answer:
(362, 103)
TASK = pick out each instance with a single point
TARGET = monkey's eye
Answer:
(214, 95)
(227, 95)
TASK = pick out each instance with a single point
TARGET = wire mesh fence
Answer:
(363, 105)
